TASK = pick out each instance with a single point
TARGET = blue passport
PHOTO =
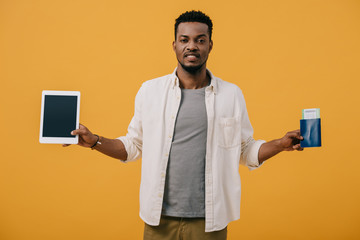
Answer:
(310, 130)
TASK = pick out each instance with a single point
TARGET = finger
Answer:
(299, 137)
(295, 134)
(80, 131)
(296, 131)
(298, 147)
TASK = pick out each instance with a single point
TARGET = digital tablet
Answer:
(59, 116)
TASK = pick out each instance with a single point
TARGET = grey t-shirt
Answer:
(184, 194)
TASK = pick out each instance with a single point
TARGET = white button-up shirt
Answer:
(229, 143)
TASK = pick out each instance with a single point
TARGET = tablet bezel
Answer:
(59, 140)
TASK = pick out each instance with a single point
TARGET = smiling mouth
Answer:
(191, 56)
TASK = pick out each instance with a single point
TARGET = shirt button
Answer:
(159, 195)
(170, 136)
(166, 154)
(162, 174)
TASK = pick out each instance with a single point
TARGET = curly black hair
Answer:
(194, 16)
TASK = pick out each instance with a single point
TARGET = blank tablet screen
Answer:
(59, 116)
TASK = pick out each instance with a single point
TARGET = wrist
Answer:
(96, 142)
(279, 145)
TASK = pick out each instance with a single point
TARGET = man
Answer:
(192, 130)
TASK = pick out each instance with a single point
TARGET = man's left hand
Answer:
(291, 141)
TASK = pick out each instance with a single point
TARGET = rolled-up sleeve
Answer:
(249, 146)
(134, 137)
(250, 153)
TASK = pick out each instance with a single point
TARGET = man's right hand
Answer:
(86, 138)
(111, 147)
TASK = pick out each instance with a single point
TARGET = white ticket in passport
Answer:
(311, 113)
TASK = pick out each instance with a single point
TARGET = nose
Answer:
(192, 46)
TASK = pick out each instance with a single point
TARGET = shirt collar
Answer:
(212, 86)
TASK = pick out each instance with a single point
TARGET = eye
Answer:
(201, 40)
(183, 40)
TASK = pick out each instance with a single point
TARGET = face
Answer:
(192, 46)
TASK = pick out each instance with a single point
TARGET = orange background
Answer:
(285, 55)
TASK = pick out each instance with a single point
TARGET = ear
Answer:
(210, 46)
(174, 47)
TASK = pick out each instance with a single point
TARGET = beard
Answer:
(192, 69)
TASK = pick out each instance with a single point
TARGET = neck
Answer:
(198, 79)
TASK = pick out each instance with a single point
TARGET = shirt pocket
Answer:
(230, 132)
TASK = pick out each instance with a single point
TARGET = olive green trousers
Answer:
(175, 228)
